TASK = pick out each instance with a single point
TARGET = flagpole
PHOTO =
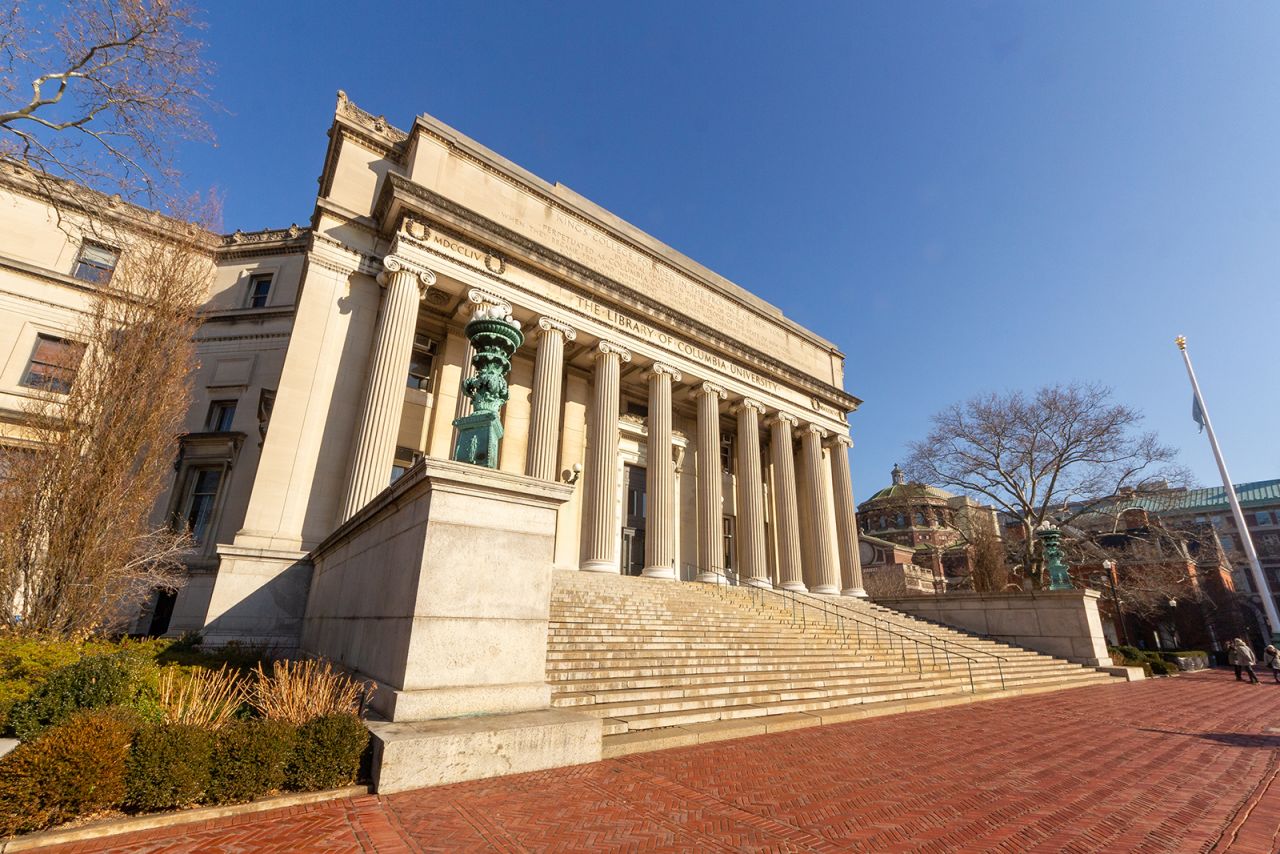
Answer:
(1259, 580)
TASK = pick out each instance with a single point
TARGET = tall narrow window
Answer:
(221, 415)
(727, 530)
(424, 351)
(726, 454)
(201, 497)
(95, 263)
(259, 289)
(53, 364)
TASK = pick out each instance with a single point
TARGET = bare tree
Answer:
(1053, 456)
(100, 91)
(80, 548)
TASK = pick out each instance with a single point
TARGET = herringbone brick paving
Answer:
(1186, 764)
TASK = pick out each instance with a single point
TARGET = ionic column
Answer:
(659, 530)
(548, 378)
(752, 566)
(375, 445)
(599, 516)
(710, 510)
(825, 574)
(846, 518)
(786, 513)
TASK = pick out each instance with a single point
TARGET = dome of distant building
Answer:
(899, 490)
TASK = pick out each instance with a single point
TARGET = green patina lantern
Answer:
(494, 338)
(1059, 578)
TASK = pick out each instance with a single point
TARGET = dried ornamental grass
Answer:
(301, 691)
(205, 698)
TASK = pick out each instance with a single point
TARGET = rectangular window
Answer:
(424, 351)
(221, 414)
(259, 290)
(95, 263)
(405, 459)
(53, 364)
(201, 497)
(727, 530)
(1262, 517)
(726, 454)
(640, 410)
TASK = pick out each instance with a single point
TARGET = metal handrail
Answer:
(842, 614)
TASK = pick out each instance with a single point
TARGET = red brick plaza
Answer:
(1186, 764)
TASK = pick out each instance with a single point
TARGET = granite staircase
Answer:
(665, 664)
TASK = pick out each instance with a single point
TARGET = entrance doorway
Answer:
(633, 517)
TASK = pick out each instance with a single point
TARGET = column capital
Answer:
(783, 418)
(483, 298)
(607, 348)
(663, 368)
(395, 263)
(550, 324)
(708, 388)
(748, 403)
(840, 439)
(815, 430)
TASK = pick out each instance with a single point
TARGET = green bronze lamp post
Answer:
(494, 337)
(1059, 578)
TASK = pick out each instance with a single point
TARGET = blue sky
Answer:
(963, 196)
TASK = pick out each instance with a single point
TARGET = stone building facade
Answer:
(704, 433)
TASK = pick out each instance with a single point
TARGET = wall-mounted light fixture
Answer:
(571, 476)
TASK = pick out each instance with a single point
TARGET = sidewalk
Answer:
(1183, 764)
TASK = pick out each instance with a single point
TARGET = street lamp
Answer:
(1110, 567)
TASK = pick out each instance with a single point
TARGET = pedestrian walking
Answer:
(1271, 658)
(1243, 659)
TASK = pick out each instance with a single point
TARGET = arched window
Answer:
(920, 520)
(900, 521)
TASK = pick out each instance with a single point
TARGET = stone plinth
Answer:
(1061, 623)
(432, 753)
(439, 590)
(259, 597)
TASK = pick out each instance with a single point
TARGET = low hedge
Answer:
(170, 766)
(75, 768)
(328, 752)
(250, 759)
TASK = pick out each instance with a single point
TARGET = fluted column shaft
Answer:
(375, 445)
(659, 524)
(548, 379)
(752, 567)
(599, 510)
(710, 503)
(786, 512)
(824, 573)
(846, 519)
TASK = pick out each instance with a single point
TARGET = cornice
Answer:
(552, 260)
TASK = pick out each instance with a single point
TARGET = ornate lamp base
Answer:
(478, 436)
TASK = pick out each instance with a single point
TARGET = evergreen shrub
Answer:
(327, 754)
(93, 682)
(250, 759)
(71, 770)
(168, 767)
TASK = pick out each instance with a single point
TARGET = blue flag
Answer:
(1197, 414)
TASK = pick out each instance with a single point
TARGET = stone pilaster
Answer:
(824, 574)
(710, 509)
(659, 532)
(548, 379)
(599, 512)
(752, 567)
(375, 446)
(846, 519)
(786, 511)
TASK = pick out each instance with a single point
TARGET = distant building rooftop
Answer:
(1259, 492)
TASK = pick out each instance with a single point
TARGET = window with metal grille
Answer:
(420, 361)
(202, 495)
